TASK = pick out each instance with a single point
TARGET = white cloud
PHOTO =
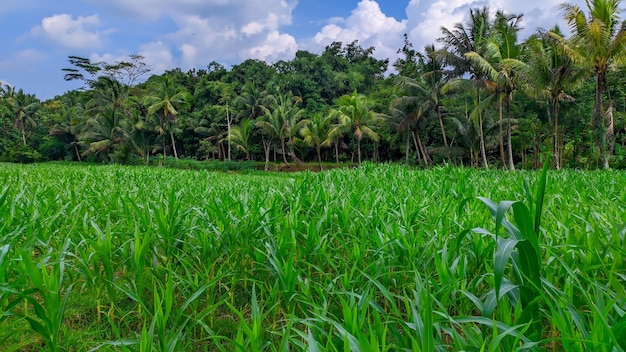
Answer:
(237, 12)
(369, 25)
(205, 30)
(426, 19)
(256, 33)
(275, 46)
(108, 57)
(157, 56)
(79, 33)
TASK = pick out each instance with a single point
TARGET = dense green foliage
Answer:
(485, 97)
(375, 258)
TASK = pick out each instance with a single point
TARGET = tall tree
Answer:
(497, 64)
(315, 133)
(598, 43)
(125, 71)
(281, 120)
(251, 100)
(550, 75)
(428, 86)
(24, 107)
(72, 122)
(166, 100)
(356, 116)
(241, 136)
(462, 39)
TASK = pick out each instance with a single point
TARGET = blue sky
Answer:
(39, 35)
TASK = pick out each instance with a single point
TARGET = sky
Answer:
(39, 35)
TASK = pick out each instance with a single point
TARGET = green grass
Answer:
(380, 258)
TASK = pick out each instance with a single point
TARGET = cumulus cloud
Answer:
(273, 47)
(79, 33)
(426, 19)
(225, 30)
(157, 56)
(368, 24)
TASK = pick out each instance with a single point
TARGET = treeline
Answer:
(479, 97)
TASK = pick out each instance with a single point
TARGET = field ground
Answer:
(370, 259)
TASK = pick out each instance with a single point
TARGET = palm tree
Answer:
(468, 133)
(251, 100)
(428, 87)
(462, 39)
(550, 74)
(241, 136)
(24, 107)
(141, 133)
(281, 119)
(405, 119)
(598, 43)
(355, 115)
(498, 64)
(167, 99)
(6, 93)
(73, 122)
(103, 133)
(315, 133)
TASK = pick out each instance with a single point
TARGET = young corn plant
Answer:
(250, 335)
(522, 248)
(48, 296)
(95, 261)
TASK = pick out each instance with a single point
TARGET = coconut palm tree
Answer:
(428, 87)
(598, 43)
(251, 100)
(462, 39)
(241, 136)
(141, 132)
(404, 119)
(166, 101)
(355, 115)
(315, 133)
(103, 133)
(73, 122)
(498, 63)
(24, 107)
(281, 120)
(550, 73)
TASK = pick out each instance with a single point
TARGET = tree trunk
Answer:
(421, 147)
(443, 130)
(555, 136)
(408, 148)
(358, 148)
(610, 132)
(228, 123)
(417, 149)
(282, 145)
(337, 151)
(293, 155)
(481, 136)
(266, 149)
(76, 150)
(319, 157)
(164, 149)
(501, 137)
(174, 145)
(508, 132)
(599, 125)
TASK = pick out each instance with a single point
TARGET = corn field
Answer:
(380, 258)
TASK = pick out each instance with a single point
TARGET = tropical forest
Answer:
(465, 196)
